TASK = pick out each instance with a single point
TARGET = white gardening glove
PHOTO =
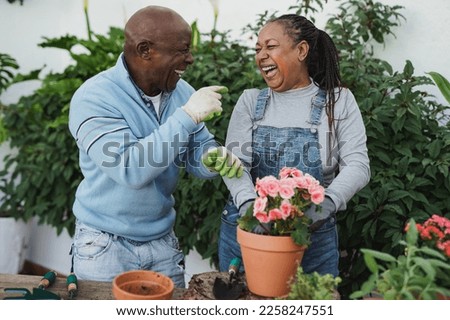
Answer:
(204, 102)
(221, 160)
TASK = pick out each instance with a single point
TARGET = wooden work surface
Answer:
(200, 287)
(87, 290)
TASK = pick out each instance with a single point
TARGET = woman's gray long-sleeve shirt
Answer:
(346, 154)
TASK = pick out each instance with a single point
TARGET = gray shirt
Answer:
(346, 153)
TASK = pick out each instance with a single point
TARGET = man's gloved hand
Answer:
(221, 160)
(320, 217)
(204, 102)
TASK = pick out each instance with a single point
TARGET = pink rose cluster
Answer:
(286, 197)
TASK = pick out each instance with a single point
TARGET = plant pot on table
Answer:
(270, 262)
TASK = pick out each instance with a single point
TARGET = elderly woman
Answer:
(304, 119)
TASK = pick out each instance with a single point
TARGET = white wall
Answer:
(421, 39)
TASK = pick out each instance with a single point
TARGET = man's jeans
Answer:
(100, 256)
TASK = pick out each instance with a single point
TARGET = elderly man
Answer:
(135, 125)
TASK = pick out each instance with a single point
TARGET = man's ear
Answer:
(303, 50)
(144, 50)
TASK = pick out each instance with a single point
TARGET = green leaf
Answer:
(412, 234)
(379, 255)
(442, 83)
(370, 262)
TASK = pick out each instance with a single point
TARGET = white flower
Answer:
(215, 4)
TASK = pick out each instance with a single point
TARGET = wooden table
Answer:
(87, 290)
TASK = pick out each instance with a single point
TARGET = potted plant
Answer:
(412, 275)
(279, 209)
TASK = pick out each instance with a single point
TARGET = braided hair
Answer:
(322, 60)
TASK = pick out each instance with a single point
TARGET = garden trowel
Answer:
(231, 290)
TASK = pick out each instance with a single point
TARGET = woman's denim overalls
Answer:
(273, 149)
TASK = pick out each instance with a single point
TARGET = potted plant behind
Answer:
(14, 232)
(279, 208)
(417, 274)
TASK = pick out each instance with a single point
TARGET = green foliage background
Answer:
(408, 135)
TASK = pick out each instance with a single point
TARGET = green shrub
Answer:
(408, 141)
(44, 170)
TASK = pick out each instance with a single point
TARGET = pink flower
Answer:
(259, 187)
(262, 217)
(317, 194)
(275, 214)
(287, 172)
(260, 204)
(302, 182)
(286, 208)
(287, 188)
(268, 185)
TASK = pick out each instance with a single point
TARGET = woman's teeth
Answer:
(268, 69)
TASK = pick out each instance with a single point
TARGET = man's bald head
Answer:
(157, 48)
(153, 24)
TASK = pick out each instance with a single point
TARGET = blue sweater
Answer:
(129, 158)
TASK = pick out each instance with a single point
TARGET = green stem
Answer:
(88, 24)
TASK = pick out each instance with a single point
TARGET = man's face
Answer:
(170, 58)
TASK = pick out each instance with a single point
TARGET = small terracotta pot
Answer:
(142, 285)
(270, 262)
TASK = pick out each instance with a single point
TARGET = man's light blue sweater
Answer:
(130, 158)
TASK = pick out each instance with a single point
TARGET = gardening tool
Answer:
(231, 290)
(72, 285)
(47, 280)
(39, 293)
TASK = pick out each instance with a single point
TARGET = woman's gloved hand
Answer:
(319, 217)
(223, 161)
(262, 228)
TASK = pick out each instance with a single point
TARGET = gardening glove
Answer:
(221, 160)
(319, 217)
(204, 102)
(261, 228)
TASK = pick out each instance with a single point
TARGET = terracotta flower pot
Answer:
(142, 285)
(269, 261)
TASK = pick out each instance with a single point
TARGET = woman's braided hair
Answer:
(322, 59)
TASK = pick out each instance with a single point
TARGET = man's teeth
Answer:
(179, 72)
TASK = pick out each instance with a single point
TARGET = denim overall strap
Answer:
(261, 103)
(318, 103)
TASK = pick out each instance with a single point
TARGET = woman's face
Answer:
(281, 62)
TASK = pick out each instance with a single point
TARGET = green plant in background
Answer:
(40, 179)
(442, 83)
(408, 147)
(8, 65)
(313, 286)
(411, 275)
